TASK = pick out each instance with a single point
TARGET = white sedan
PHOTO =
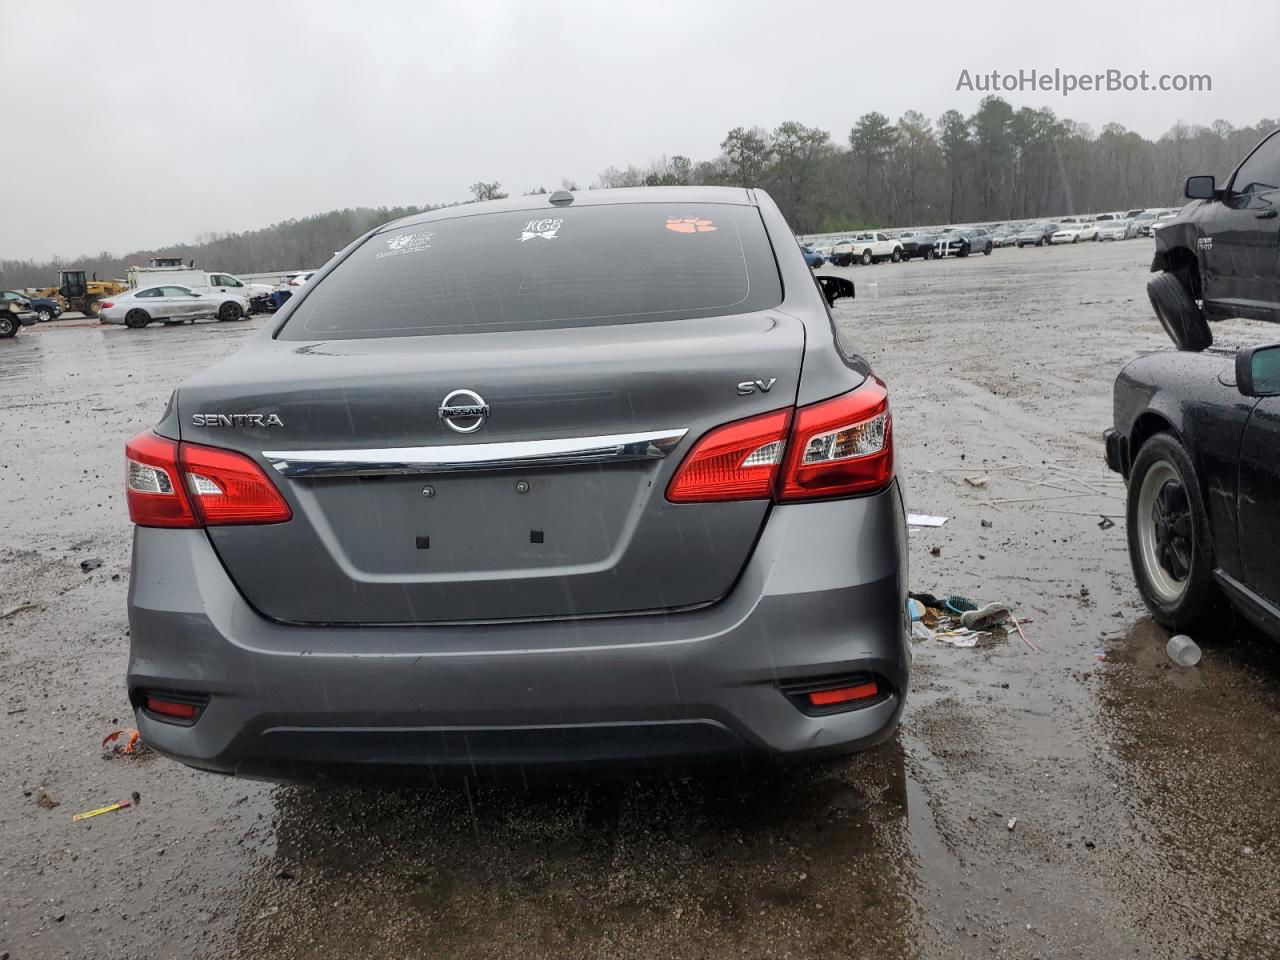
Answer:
(1114, 230)
(1074, 233)
(171, 304)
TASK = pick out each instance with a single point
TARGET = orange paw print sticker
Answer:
(690, 225)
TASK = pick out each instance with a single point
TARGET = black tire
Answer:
(1040, 242)
(44, 314)
(866, 259)
(896, 256)
(963, 251)
(1178, 313)
(987, 252)
(92, 308)
(929, 254)
(230, 311)
(8, 325)
(1170, 544)
(136, 319)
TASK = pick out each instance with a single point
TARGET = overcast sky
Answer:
(141, 124)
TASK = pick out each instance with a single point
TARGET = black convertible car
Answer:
(1197, 438)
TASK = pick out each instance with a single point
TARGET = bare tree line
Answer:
(999, 164)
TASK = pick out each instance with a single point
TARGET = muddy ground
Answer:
(1146, 797)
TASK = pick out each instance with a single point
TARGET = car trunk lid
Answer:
(554, 506)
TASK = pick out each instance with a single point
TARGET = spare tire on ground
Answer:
(1178, 313)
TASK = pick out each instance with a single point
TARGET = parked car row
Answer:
(928, 244)
(166, 291)
(876, 246)
(44, 308)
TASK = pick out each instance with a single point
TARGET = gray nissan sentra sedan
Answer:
(580, 481)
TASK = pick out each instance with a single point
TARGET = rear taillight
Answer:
(156, 497)
(107, 303)
(835, 448)
(227, 487)
(840, 447)
(172, 484)
(737, 461)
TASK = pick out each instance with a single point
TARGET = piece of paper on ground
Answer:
(924, 520)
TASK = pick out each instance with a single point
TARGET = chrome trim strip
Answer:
(400, 461)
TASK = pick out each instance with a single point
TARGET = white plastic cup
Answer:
(1183, 651)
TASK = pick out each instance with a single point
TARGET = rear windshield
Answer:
(561, 267)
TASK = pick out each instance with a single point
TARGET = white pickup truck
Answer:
(866, 248)
(203, 281)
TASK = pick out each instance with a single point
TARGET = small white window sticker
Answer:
(406, 243)
(546, 229)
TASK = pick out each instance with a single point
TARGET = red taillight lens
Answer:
(227, 487)
(840, 447)
(738, 461)
(156, 497)
(107, 303)
(171, 484)
(836, 448)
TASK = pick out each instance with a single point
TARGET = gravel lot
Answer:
(1146, 797)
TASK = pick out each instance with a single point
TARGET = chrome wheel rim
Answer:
(1165, 537)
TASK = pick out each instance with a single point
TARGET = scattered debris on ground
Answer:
(109, 808)
(924, 520)
(1183, 651)
(19, 608)
(131, 746)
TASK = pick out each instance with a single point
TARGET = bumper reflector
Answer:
(829, 698)
(181, 711)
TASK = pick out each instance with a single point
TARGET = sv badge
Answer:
(747, 387)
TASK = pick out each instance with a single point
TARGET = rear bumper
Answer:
(822, 596)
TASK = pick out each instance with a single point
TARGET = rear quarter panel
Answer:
(827, 369)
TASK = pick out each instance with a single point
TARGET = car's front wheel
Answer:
(1170, 546)
(230, 311)
(896, 256)
(866, 258)
(928, 253)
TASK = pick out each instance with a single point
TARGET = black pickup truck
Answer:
(1220, 257)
